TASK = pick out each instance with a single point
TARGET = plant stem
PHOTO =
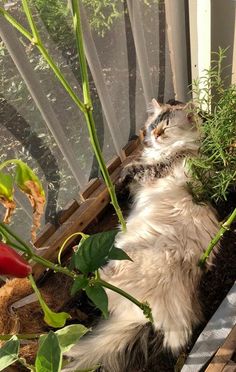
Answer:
(31, 255)
(88, 112)
(102, 165)
(83, 237)
(15, 24)
(60, 76)
(25, 248)
(31, 21)
(225, 227)
(143, 306)
(52, 266)
(64, 270)
(35, 39)
(80, 48)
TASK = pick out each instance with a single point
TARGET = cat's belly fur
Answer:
(165, 237)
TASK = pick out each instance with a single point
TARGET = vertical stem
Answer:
(31, 21)
(98, 153)
(88, 112)
(80, 48)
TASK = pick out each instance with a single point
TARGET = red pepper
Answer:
(12, 264)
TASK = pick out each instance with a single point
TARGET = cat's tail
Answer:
(115, 345)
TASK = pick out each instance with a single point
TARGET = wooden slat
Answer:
(69, 209)
(113, 164)
(47, 231)
(230, 367)
(131, 146)
(92, 185)
(224, 354)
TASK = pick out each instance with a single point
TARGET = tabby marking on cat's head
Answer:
(169, 124)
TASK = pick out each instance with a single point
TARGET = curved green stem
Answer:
(142, 305)
(225, 227)
(84, 237)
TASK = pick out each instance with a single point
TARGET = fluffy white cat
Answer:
(166, 234)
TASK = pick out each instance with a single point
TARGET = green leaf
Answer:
(79, 283)
(23, 174)
(49, 356)
(94, 251)
(118, 254)
(6, 185)
(99, 297)
(68, 336)
(9, 353)
(30, 184)
(56, 320)
(73, 260)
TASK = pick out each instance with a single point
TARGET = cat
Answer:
(166, 234)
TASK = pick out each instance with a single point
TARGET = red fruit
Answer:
(12, 264)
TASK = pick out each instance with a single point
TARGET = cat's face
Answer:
(169, 124)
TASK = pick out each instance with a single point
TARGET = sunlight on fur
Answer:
(166, 234)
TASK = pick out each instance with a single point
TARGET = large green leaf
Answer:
(94, 251)
(68, 336)
(49, 356)
(99, 297)
(80, 282)
(9, 353)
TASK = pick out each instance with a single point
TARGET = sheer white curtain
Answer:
(131, 48)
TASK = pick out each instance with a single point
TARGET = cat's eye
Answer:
(167, 121)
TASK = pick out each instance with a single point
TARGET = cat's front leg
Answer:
(129, 174)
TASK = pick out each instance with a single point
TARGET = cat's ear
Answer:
(154, 107)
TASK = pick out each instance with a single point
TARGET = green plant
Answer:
(214, 170)
(91, 254)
